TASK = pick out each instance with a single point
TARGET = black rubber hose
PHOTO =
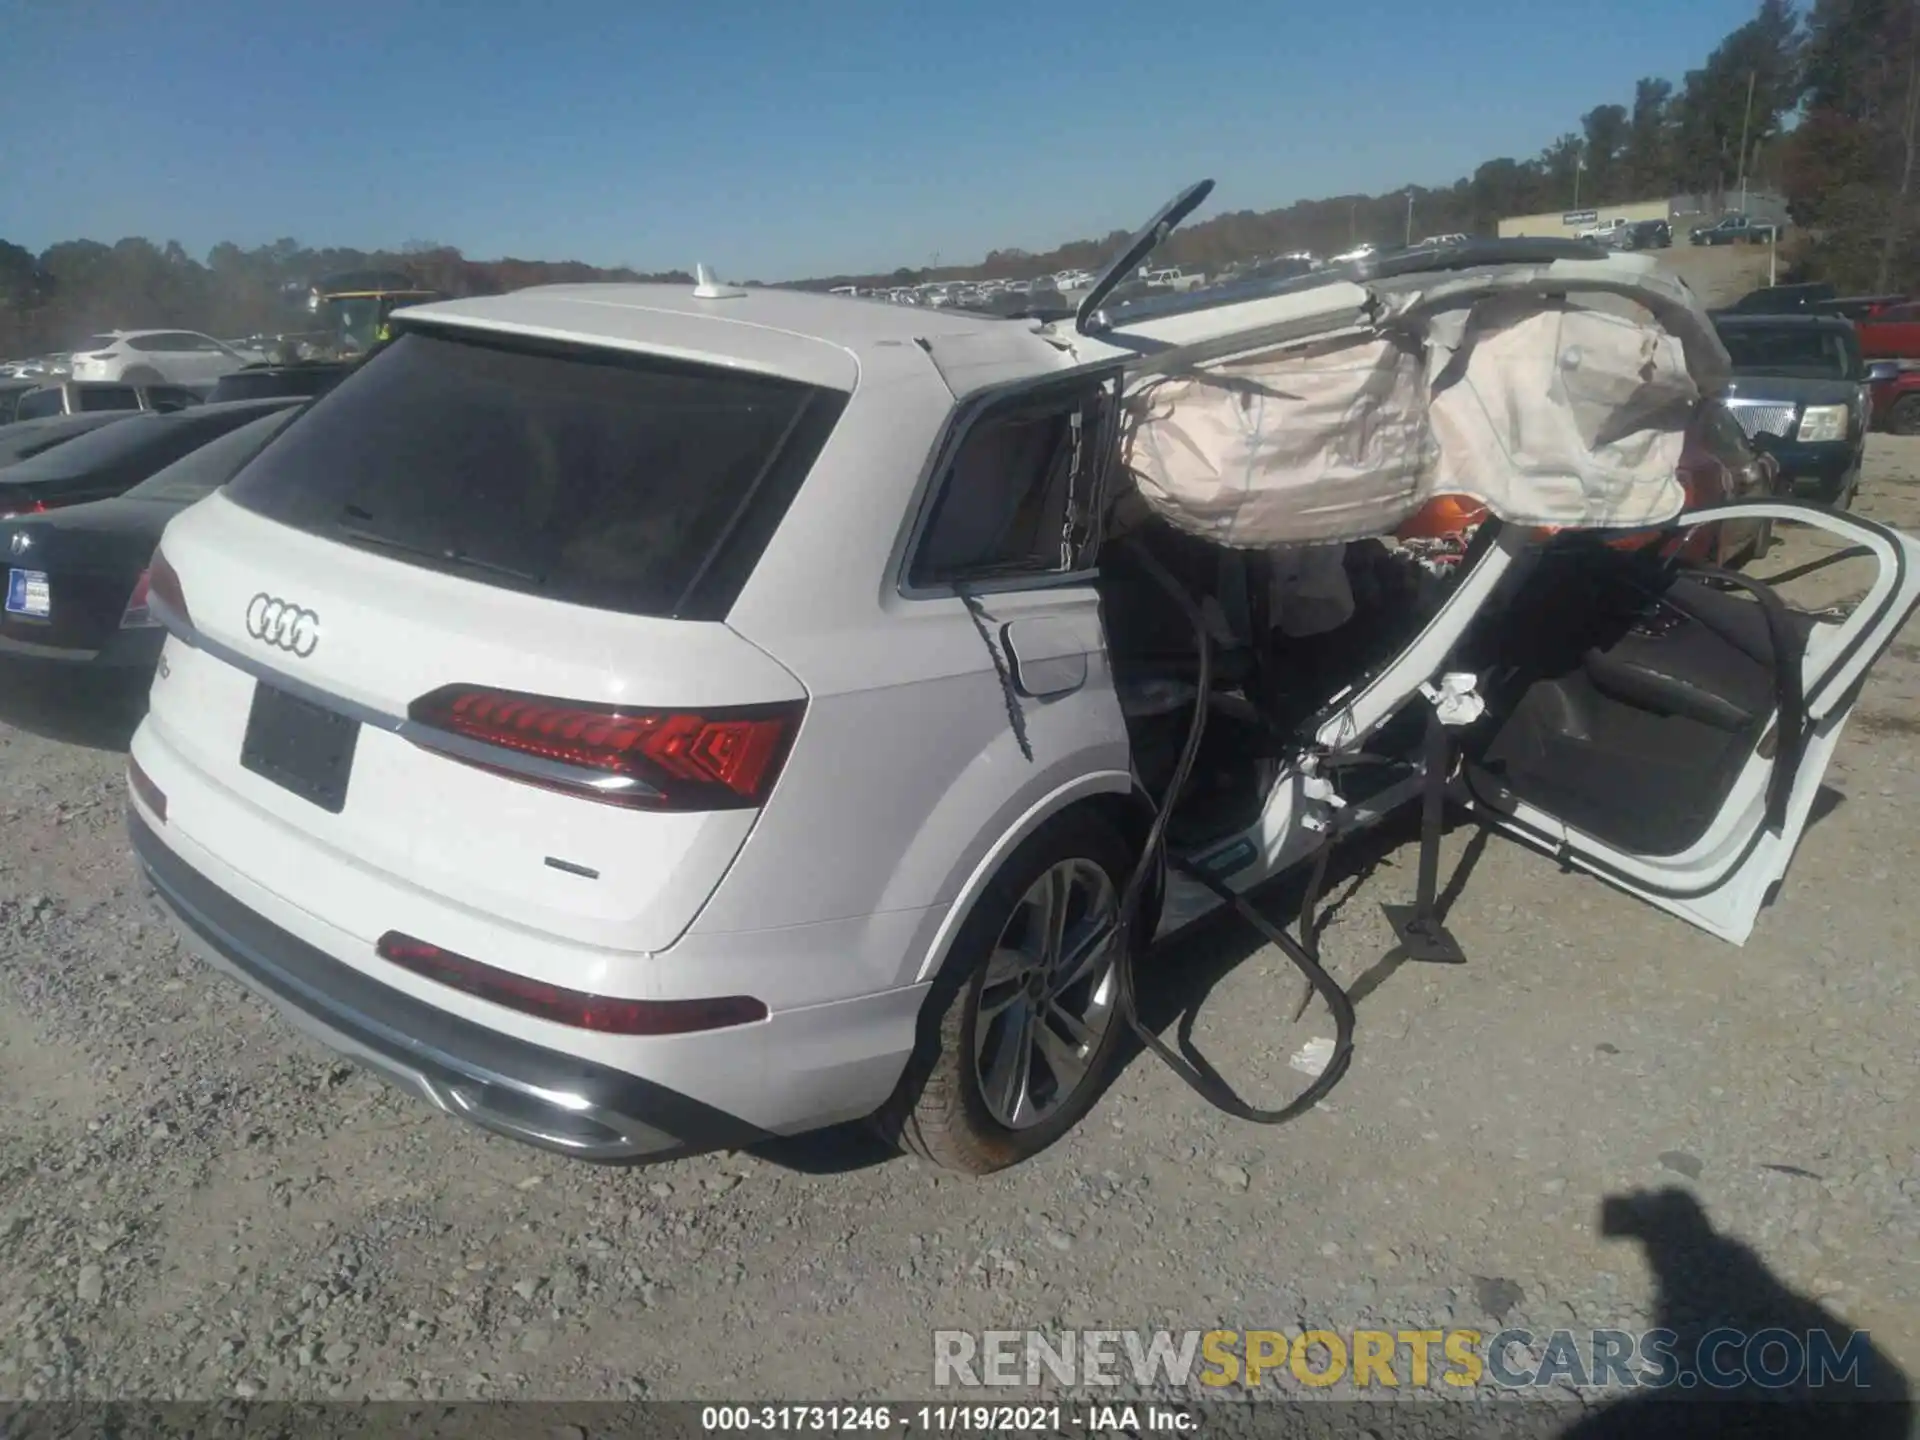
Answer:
(1210, 1087)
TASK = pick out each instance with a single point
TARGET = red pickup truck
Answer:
(1896, 402)
(1891, 333)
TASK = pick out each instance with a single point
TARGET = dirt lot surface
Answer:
(1719, 274)
(195, 1203)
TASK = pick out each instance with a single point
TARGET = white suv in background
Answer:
(640, 718)
(152, 357)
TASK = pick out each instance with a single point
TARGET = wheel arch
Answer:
(1109, 793)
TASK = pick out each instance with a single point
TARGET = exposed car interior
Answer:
(1625, 692)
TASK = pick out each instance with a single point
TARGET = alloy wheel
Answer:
(1047, 998)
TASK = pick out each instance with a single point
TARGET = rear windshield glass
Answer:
(23, 441)
(131, 449)
(108, 397)
(628, 483)
(96, 342)
(1802, 352)
(206, 469)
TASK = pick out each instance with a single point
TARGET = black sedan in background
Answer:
(76, 576)
(114, 458)
(30, 437)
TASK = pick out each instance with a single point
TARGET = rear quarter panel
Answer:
(915, 762)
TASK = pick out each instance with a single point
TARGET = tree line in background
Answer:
(1821, 106)
(50, 301)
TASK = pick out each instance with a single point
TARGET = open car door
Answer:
(1667, 728)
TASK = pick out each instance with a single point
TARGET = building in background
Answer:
(1682, 212)
(1570, 224)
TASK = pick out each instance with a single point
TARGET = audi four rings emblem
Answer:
(277, 622)
(21, 542)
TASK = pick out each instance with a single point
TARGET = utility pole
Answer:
(1353, 223)
(1746, 119)
(1409, 216)
(1911, 142)
(1579, 165)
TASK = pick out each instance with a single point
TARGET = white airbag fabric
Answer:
(1317, 443)
(1549, 413)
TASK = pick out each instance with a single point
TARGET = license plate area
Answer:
(29, 595)
(300, 746)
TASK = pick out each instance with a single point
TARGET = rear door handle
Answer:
(1047, 656)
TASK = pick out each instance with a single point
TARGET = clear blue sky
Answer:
(774, 139)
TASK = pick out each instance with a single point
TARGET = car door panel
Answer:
(1556, 781)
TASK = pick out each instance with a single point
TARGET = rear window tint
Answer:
(629, 483)
(108, 397)
(96, 342)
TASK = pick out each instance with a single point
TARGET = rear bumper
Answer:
(128, 651)
(542, 1097)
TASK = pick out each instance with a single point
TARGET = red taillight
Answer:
(716, 759)
(604, 1013)
(137, 615)
(163, 590)
(32, 507)
(149, 794)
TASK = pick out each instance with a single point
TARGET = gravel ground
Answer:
(194, 1203)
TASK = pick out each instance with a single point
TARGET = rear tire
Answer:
(982, 1057)
(1904, 418)
(142, 375)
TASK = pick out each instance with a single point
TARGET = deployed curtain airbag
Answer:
(1548, 406)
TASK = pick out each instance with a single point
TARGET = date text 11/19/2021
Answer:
(953, 1419)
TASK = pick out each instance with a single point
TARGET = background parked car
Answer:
(1891, 333)
(78, 397)
(1799, 392)
(1784, 300)
(30, 437)
(1647, 235)
(1895, 396)
(1864, 307)
(151, 357)
(84, 569)
(1735, 230)
(11, 389)
(112, 460)
(265, 382)
(1716, 464)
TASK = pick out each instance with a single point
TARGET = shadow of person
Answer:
(1733, 1322)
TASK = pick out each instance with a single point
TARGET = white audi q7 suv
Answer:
(641, 718)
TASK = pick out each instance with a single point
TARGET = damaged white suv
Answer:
(642, 718)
